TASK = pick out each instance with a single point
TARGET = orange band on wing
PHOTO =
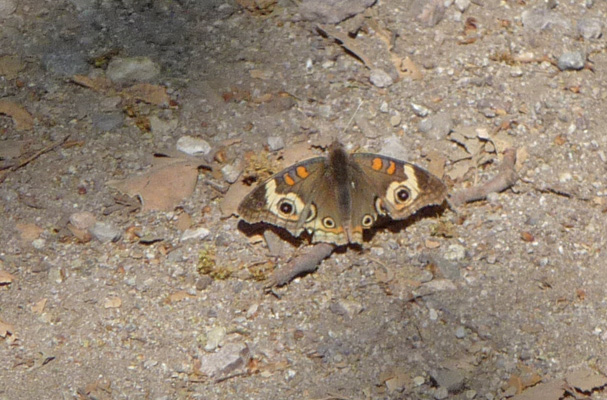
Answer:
(288, 180)
(302, 172)
(376, 164)
(392, 168)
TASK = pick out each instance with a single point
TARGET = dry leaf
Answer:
(112, 302)
(432, 244)
(6, 329)
(459, 170)
(296, 153)
(148, 93)
(29, 232)
(586, 380)
(22, 119)
(552, 390)
(163, 187)
(522, 154)
(262, 74)
(184, 221)
(98, 84)
(6, 278)
(409, 69)
(233, 197)
(38, 307)
(178, 296)
(527, 236)
(437, 163)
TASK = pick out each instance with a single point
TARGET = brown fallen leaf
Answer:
(408, 69)
(6, 329)
(586, 380)
(29, 232)
(164, 186)
(22, 119)
(176, 297)
(148, 93)
(233, 197)
(6, 278)
(38, 307)
(99, 83)
(552, 390)
(112, 302)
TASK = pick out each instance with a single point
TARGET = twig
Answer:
(31, 158)
(306, 262)
(505, 178)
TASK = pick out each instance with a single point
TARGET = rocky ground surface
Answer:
(103, 297)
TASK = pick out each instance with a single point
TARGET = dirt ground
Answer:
(101, 298)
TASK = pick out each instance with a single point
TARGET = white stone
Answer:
(198, 233)
(380, 78)
(132, 69)
(193, 146)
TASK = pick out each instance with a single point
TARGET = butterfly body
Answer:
(336, 198)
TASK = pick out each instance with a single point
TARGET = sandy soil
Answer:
(488, 300)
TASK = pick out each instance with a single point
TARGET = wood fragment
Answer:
(505, 178)
(31, 158)
(306, 262)
(346, 42)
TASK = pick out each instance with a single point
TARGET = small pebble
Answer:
(470, 394)
(132, 69)
(64, 63)
(493, 197)
(193, 146)
(437, 126)
(83, 220)
(39, 243)
(105, 232)
(276, 143)
(384, 107)
(574, 60)
(215, 337)
(203, 282)
(55, 275)
(462, 5)
(231, 172)
(162, 127)
(565, 177)
(347, 308)
(433, 315)
(420, 110)
(395, 120)
(106, 122)
(380, 78)
(516, 72)
(589, 28)
(441, 393)
(418, 381)
(460, 332)
(455, 252)
(392, 146)
(198, 233)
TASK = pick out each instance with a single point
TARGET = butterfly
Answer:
(335, 198)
